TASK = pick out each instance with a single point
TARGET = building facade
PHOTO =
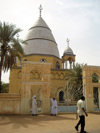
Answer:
(91, 85)
(43, 73)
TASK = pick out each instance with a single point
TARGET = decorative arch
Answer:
(57, 65)
(60, 92)
(35, 75)
(61, 96)
(62, 76)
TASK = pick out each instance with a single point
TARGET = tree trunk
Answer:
(1, 63)
(0, 77)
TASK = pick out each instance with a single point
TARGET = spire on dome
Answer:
(68, 42)
(40, 8)
(68, 50)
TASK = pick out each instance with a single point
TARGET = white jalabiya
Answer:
(54, 107)
(80, 105)
(34, 105)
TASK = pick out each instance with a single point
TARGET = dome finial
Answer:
(40, 8)
(68, 42)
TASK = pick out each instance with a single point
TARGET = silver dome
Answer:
(40, 40)
(68, 51)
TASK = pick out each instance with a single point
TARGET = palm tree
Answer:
(74, 86)
(10, 47)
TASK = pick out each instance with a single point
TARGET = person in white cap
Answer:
(34, 106)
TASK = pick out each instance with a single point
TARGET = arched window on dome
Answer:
(43, 60)
(25, 59)
(95, 78)
(57, 65)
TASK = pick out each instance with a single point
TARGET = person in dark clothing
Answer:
(81, 113)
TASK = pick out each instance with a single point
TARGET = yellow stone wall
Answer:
(37, 78)
(88, 85)
(58, 82)
(35, 81)
(16, 73)
(49, 59)
(10, 103)
(45, 81)
(15, 80)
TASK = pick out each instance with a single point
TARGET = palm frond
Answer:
(74, 81)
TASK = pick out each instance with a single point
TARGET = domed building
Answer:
(41, 71)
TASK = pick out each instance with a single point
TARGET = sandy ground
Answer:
(63, 123)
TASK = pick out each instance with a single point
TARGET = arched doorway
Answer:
(61, 96)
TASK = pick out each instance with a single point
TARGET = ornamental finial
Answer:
(40, 8)
(68, 42)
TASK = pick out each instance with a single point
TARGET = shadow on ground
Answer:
(25, 120)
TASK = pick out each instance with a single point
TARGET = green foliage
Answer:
(10, 47)
(94, 78)
(4, 87)
(74, 85)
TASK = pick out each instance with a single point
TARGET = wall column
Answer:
(66, 65)
(63, 65)
(99, 96)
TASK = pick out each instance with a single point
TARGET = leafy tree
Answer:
(74, 85)
(10, 47)
(4, 87)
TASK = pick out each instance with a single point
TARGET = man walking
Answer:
(81, 113)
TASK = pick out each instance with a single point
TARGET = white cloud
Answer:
(59, 2)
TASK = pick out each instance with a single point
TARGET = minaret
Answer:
(68, 57)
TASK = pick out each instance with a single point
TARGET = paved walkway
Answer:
(63, 123)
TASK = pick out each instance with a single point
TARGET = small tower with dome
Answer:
(68, 57)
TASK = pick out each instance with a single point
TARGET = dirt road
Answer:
(63, 123)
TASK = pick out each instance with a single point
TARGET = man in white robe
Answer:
(54, 107)
(34, 106)
(81, 110)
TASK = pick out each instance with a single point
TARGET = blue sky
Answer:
(78, 20)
